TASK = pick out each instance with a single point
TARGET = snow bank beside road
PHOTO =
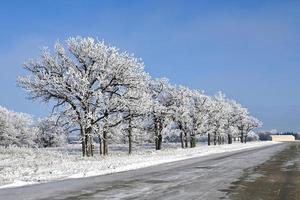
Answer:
(21, 166)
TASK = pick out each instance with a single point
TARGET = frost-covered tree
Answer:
(122, 106)
(160, 91)
(181, 113)
(252, 136)
(245, 125)
(234, 113)
(15, 129)
(50, 132)
(199, 113)
(102, 91)
(133, 106)
(136, 104)
(86, 78)
(218, 119)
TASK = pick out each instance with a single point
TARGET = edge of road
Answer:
(149, 169)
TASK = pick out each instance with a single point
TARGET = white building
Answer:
(283, 138)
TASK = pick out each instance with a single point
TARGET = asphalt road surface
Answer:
(276, 179)
(209, 177)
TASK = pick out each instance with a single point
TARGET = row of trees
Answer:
(19, 129)
(103, 92)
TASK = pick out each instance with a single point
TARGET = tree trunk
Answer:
(159, 142)
(215, 138)
(93, 148)
(105, 137)
(157, 136)
(186, 140)
(87, 153)
(91, 145)
(181, 140)
(88, 145)
(242, 139)
(105, 145)
(242, 136)
(100, 145)
(193, 141)
(83, 142)
(219, 140)
(229, 138)
(156, 141)
(129, 143)
(83, 147)
(129, 137)
(208, 139)
(88, 148)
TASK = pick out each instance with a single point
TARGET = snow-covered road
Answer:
(205, 177)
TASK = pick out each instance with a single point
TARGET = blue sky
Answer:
(248, 49)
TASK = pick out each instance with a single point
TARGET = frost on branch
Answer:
(106, 93)
(88, 79)
(50, 132)
(15, 129)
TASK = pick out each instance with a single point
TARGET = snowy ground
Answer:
(20, 166)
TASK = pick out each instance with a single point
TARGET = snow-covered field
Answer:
(21, 166)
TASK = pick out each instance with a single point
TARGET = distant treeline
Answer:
(266, 135)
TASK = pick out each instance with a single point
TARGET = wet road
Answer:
(207, 177)
(276, 179)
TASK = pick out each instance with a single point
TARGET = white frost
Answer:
(21, 166)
